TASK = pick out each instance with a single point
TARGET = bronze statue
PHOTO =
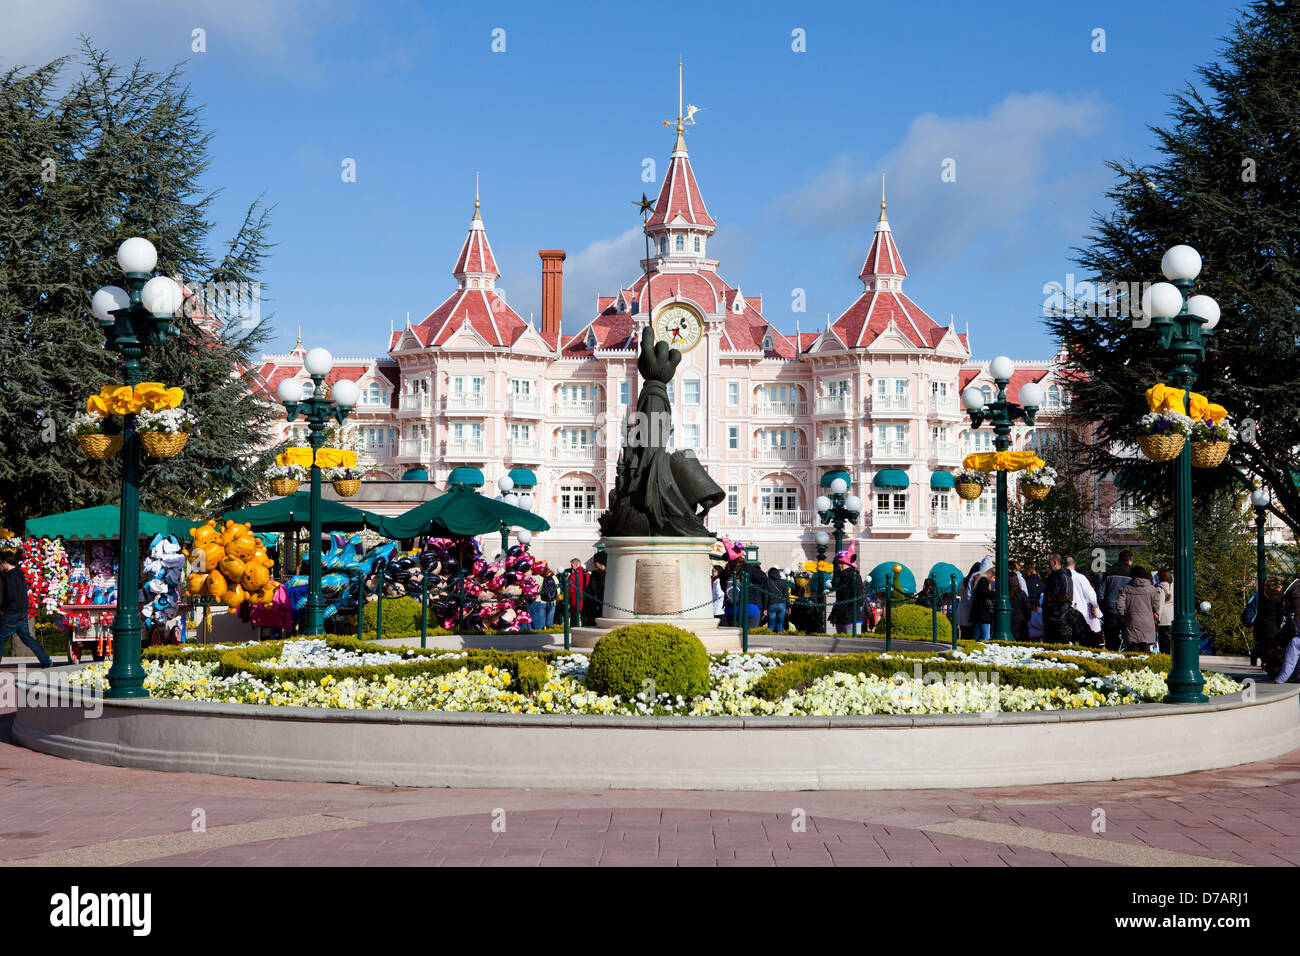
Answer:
(657, 492)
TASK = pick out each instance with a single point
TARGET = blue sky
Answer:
(788, 151)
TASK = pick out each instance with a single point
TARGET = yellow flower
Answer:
(122, 401)
(96, 405)
(335, 458)
(1161, 397)
(294, 456)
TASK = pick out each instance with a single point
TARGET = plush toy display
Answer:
(160, 574)
(46, 567)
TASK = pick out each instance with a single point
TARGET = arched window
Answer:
(1054, 396)
(374, 394)
(987, 392)
(680, 244)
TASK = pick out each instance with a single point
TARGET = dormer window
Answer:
(698, 248)
(591, 339)
(767, 343)
(663, 245)
(680, 244)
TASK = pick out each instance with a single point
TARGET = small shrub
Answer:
(912, 623)
(531, 675)
(624, 659)
(401, 616)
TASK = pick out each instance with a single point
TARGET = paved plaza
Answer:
(60, 812)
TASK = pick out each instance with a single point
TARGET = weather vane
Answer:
(688, 119)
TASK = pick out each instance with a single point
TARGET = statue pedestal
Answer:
(660, 580)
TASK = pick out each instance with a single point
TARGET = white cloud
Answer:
(1010, 164)
(602, 268)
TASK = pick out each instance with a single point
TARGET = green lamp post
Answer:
(133, 320)
(317, 409)
(521, 499)
(821, 539)
(1181, 325)
(838, 509)
(1002, 414)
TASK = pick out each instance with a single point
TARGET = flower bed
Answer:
(977, 678)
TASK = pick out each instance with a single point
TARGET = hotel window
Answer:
(778, 499)
(663, 245)
(577, 498)
(733, 501)
(979, 440)
(690, 436)
(1054, 399)
(891, 503)
(672, 393)
(733, 438)
(521, 389)
(939, 504)
(938, 435)
(733, 394)
(577, 394)
(779, 438)
(680, 244)
(891, 433)
(575, 439)
(839, 386)
(691, 392)
(987, 392)
(464, 386)
(462, 432)
(697, 243)
(939, 389)
(375, 395)
(521, 434)
(625, 393)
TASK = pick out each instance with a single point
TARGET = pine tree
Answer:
(1228, 184)
(86, 162)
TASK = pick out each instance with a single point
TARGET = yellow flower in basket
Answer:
(294, 456)
(156, 397)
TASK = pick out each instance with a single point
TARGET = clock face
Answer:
(679, 326)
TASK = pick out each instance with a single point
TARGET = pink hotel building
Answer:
(875, 394)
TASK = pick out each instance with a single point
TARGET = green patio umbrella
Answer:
(104, 522)
(460, 513)
(294, 511)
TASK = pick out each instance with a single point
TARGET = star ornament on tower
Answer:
(645, 204)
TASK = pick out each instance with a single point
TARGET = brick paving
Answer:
(62, 812)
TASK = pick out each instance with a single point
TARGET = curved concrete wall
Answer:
(762, 753)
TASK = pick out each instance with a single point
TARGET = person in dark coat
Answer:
(778, 601)
(925, 596)
(1116, 579)
(1269, 616)
(848, 584)
(1058, 593)
(1033, 584)
(1021, 610)
(13, 607)
(981, 608)
(1289, 640)
(594, 606)
(579, 582)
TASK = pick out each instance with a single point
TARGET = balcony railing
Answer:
(782, 452)
(786, 518)
(834, 449)
(943, 404)
(766, 409)
(891, 449)
(1126, 517)
(531, 450)
(945, 519)
(891, 403)
(378, 452)
(945, 450)
(891, 519)
(572, 409)
(466, 401)
(464, 448)
(414, 402)
(976, 519)
(576, 452)
(835, 404)
(573, 516)
(525, 404)
(415, 448)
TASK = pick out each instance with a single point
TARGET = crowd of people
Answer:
(1126, 608)
(1274, 618)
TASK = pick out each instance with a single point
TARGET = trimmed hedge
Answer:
(624, 659)
(530, 674)
(911, 622)
(401, 614)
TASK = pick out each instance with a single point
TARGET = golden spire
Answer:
(882, 199)
(298, 347)
(683, 119)
(476, 215)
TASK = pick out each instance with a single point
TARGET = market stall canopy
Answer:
(103, 522)
(880, 577)
(460, 513)
(832, 475)
(942, 480)
(294, 511)
(943, 573)
(891, 478)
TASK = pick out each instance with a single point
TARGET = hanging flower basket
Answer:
(99, 445)
(1035, 492)
(347, 487)
(163, 444)
(1209, 454)
(970, 482)
(1162, 447)
(284, 486)
(969, 490)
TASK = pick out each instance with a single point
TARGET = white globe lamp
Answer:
(137, 255)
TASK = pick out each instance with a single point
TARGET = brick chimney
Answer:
(552, 291)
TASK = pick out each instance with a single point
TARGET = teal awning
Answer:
(832, 475)
(415, 474)
(465, 476)
(460, 512)
(523, 477)
(891, 478)
(942, 480)
(880, 575)
(943, 574)
(104, 522)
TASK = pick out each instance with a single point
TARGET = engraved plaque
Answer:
(658, 586)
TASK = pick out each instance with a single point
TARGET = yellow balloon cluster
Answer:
(230, 565)
(125, 400)
(1003, 461)
(325, 458)
(1162, 398)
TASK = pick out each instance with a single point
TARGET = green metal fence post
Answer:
(952, 605)
(564, 605)
(361, 602)
(934, 610)
(424, 610)
(889, 611)
(379, 611)
(744, 608)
